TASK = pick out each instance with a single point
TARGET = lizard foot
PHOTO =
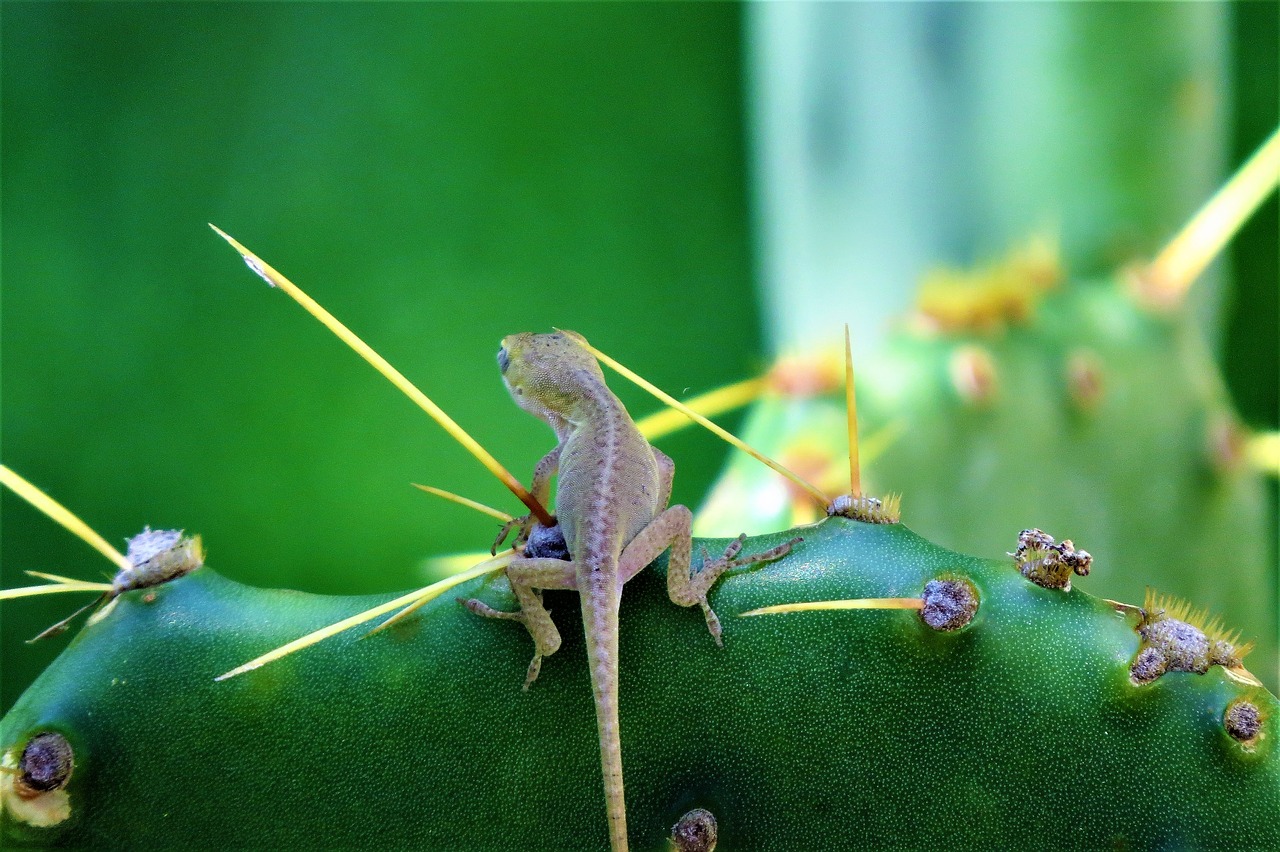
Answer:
(763, 556)
(479, 607)
(548, 644)
(535, 667)
(521, 525)
(727, 562)
(713, 621)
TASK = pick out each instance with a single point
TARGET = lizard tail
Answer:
(600, 618)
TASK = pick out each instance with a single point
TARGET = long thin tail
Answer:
(599, 593)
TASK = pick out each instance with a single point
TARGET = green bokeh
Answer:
(437, 175)
(1252, 344)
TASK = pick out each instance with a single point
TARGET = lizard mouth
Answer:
(504, 360)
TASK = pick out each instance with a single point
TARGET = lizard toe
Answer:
(535, 668)
(479, 607)
(713, 622)
(734, 548)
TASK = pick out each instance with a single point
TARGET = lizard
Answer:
(612, 491)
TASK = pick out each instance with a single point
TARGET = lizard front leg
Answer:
(528, 577)
(672, 528)
(540, 488)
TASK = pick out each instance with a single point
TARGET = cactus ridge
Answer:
(794, 735)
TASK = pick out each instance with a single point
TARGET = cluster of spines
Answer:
(991, 296)
(1048, 563)
(871, 510)
(1177, 637)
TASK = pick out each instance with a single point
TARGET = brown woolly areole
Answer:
(950, 603)
(46, 764)
(1047, 563)
(158, 556)
(973, 375)
(871, 510)
(1084, 377)
(31, 784)
(1243, 721)
(1176, 638)
(696, 831)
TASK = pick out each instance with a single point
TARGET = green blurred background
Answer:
(438, 175)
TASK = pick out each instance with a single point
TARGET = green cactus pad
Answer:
(1020, 727)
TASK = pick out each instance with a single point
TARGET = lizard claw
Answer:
(520, 522)
(713, 622)
(545, 641)
(535, 667)
(479, 607)
(763, 556)
(734, 548)
(728, 561)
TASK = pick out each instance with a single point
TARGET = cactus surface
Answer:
(1020, 726)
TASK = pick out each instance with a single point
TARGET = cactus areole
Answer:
(1009, 719)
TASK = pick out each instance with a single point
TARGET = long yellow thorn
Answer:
(56, 578)
(709, 404)
(464, 501)
(421, 602)
(1176, 268)
(402, 614)
(422, 595)
(62, 515)
(858, 603)
(52, 589)
(347, 336)
(851, 416)
(448, 564)
(698, 418)
(1264, 452)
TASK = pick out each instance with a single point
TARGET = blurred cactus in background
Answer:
(1039, 388)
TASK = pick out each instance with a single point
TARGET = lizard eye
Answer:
(504, 360)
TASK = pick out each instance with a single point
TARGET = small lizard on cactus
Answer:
(611, 505)
(1194, 735)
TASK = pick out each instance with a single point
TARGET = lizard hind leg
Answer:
(713, 569)
(672, 528)
(528, 577)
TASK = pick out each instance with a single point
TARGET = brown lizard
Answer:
(611, 506)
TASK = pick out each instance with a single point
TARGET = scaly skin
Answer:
(611, 506)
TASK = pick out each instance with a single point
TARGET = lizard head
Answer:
(548, 375)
